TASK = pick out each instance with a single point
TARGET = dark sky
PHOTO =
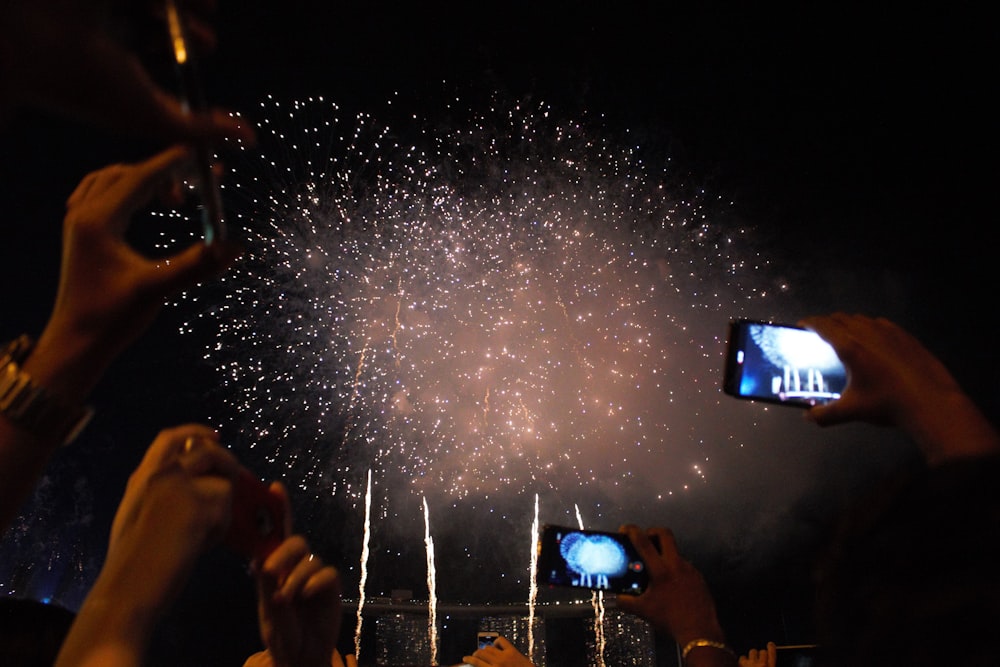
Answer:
(861, 141)
(855, 138)
(858, 137)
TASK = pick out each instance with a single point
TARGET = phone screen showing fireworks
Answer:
(781, 363)
(590, 559)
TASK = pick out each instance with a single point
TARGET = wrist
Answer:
(953, 427)
(111, 616)
(28, 401)
(132, 590)
(708, 652)
(709, 630)
(68, 363)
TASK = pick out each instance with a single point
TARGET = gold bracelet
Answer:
(698, 643)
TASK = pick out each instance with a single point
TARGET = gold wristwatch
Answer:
(30, 405)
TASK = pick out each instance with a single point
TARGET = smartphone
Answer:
(484, 639)
(781, 363)
(590, 559)
(799, 655)
(192, 99)
(258, 520)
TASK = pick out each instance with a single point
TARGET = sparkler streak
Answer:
(365, 554)
(533, 584)
(431, 586)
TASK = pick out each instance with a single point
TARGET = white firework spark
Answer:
(506, 303)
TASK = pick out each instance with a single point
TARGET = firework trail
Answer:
(533, 583)
(365, 553)
(431, 585)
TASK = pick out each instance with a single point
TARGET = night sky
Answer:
(856, 145)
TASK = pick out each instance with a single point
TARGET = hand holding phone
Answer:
(781, 363)
(590, 559)
(193, 101)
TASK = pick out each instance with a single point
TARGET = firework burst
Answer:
(504, 304)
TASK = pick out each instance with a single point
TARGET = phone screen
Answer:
(781, 363)
(797, 656)
(590, 559)
(485, 639)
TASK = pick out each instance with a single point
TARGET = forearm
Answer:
(700, 635)
(953, 427)
(69, 362)
(66, 369)
(109, 631)
(141, 576)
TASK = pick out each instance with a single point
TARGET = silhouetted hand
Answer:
(109, 292)
(62, 56)
(765, 657)
(176, 505)
(677, 600)
(892, 379)
(298, 606)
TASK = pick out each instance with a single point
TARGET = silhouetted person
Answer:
(178, 504)
(109, 293)
(911, 577)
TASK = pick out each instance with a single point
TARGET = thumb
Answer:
(827, 414)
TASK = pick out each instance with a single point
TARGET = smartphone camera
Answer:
(590, 559)
(781, 363)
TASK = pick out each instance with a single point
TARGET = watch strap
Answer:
(31, 406)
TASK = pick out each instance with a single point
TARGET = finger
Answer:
(286, 555)
(207, 457)
(351, 661)
(656, 559)
(298, 577)
(489, 654)
(143, 181)
(502, 643)
(277, 489)
(830, 414)
(324, 582)
(829, 327)
(169, 443)
(87, 184)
